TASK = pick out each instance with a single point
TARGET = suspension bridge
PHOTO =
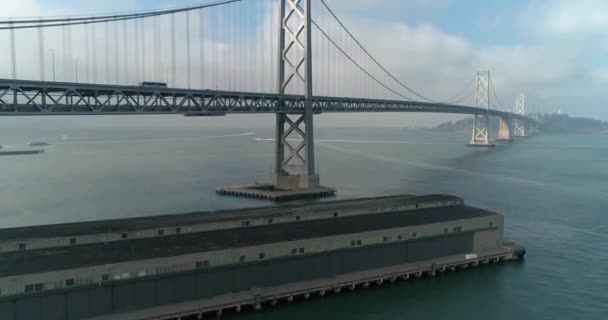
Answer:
(294, 58)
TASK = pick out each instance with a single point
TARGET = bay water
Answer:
(552, 190)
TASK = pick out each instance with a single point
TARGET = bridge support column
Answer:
(504, 130)
(294, 167)
(481, 123)
(481, 126)
(292, 160)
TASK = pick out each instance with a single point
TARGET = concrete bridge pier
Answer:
(504, 130)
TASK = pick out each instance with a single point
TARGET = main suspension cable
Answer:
(357, 64)
(372, 57)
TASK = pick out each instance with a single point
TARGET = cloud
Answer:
(387, 5)
(568, 17)
(22, 8)
(601, 75)
(439, 64)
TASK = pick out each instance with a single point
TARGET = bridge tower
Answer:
(294, 166)
(520, 109)
(481, 124)
(294, 175)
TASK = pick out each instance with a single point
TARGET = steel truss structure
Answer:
(520, 109)
(294, 158)
(28, 98)
(482, 101)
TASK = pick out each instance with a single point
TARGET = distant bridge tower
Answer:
(294, 166)
(520, 109)
(481, 125)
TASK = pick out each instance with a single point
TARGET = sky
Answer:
(555, 52)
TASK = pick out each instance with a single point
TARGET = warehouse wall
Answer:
(138, 293)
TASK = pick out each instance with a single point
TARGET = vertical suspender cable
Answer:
(327, 59)
(107, 51)
(339, 64)
(161, 72)
(41, 51)
(136, 43)
(215, 49)
(254, 46)
(227, 50)
(94, 42)
(69, 50)
(212, 50)
(316, 56)
(263, 49)
(201, 49)
(154, 52)
(12, 48)
(250, 58)
(87, 52)
(326, 64)
(272, 59)
(234, 52)
(333, 61)
(116, 60)
(155, 42)
(342, 69)
(259, 46)
(144, 67)
(125, 50)
(224, 53)
(242, 51)
(188, 47)
(173, 80)
(163, 65)
(231, 48)
(63, 57)
(368, 81)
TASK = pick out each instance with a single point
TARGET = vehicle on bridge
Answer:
(153, 84)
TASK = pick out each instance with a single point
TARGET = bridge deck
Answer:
(26, 97)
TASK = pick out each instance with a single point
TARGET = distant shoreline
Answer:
(549, 123)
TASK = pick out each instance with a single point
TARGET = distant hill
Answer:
(553, 123)
(564, 123)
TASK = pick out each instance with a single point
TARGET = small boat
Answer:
(204, 114)
(38, 144)
(20, 152)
